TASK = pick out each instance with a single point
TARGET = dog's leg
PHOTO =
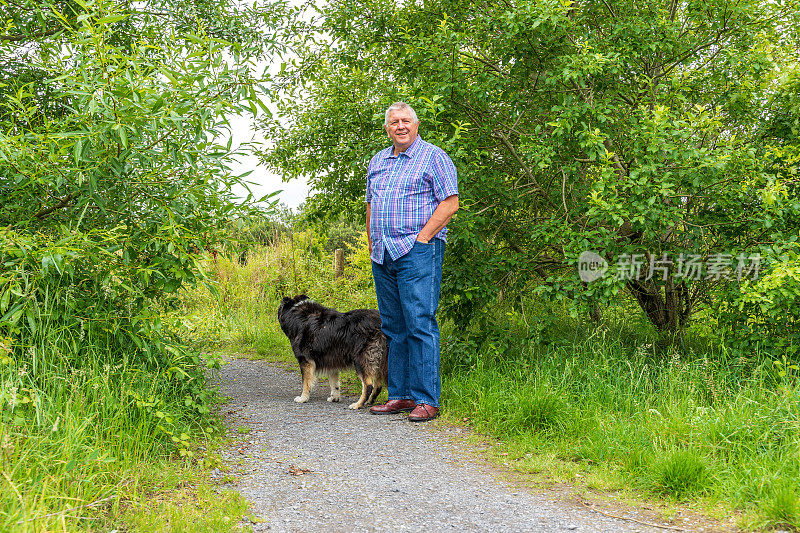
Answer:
(376, 390)
(366, 390)
(333, 379)
(377, 367)
(308, 372)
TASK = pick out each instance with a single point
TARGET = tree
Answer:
(766, 306)
(634, 130)
(112, 173)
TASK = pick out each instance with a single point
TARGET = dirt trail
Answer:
(322, 467)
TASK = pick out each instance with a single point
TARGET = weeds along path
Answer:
(322, 467)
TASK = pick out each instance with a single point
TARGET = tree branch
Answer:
(21, 37)
(525, 168)
(621, 170)
(485, 62)
(60, 205)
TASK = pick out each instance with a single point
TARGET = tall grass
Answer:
(569, 400)
(75, 439)
(94, 402)
(668, 422)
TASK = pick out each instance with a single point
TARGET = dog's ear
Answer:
(300, 298)
(285, 300)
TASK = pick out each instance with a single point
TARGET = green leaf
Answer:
(5, 299)
(123, 137)
(109, 19)
(77, 150)
(159, 103)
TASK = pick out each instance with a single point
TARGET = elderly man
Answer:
(412, 192)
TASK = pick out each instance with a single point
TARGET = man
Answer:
(412, 192)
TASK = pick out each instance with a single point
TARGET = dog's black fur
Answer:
(325, 342)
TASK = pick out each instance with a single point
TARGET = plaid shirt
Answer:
(403, 192)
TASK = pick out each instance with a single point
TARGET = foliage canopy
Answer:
(113, 175)
(651, 128)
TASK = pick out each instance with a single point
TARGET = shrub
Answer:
(343, 234)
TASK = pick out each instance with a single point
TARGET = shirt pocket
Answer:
(413, 185)
(379, 184)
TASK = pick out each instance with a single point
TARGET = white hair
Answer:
(398, 106)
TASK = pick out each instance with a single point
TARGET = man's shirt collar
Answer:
(409, 152)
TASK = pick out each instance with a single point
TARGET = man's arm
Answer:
(439, 219)
(369, 237)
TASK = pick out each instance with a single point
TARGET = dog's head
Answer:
(288, 303)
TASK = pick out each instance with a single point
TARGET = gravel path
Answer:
(322, 467)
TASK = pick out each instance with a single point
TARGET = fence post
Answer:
(338, 263)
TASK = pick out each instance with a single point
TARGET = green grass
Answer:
(681, 473)
(783, 508)
(681, 425)
(240, 313)
(84, 426)
(91, 447)
(607, 408)
(177, 498)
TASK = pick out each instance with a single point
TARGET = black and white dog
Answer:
(325, 342)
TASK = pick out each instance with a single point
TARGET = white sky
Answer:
(264, 181)
(242, 129)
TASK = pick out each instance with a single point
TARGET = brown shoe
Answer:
(392, 406)
(423, 413)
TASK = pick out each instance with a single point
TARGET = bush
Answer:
(111, 182)
(762, 312)
(343, 235)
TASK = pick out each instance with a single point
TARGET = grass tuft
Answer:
(783, 508)
(539, 409)
(681, 474)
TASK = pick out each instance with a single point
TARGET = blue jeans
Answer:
(408, 296)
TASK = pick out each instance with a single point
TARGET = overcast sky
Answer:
(265, 182)
(242, 129)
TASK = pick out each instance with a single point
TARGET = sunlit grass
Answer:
(184, 499)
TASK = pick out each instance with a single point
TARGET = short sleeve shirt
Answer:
(403, 192)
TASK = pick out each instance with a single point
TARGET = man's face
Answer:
(402, 129)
